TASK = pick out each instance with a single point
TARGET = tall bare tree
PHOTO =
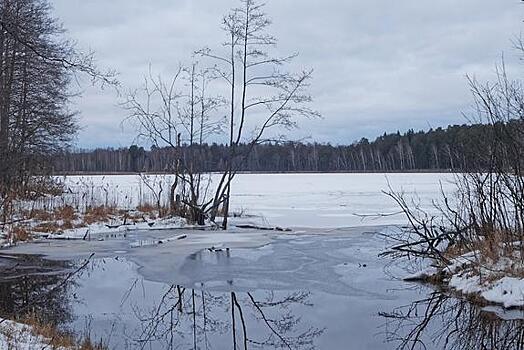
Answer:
(36, 68)
(263, 95)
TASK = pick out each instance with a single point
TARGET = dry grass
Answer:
(87, 344)
(67, 216)
(153, 212)
(64, 218)
(99, 214)
(455, 250)
(19, 234)
(146, 208)
(490, 244)
(495, 256)
(54, 338)
(48, 227)
(232, 214)
(40, 215)
(65, 213)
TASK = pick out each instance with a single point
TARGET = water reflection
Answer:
(32, 286)
(153, 316)
(128, 312)
(196, 319)
(446, 322)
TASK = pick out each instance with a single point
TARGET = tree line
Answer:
(452, 148)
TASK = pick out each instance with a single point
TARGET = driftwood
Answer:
(119, 225)
(263, 228)
(176, 238)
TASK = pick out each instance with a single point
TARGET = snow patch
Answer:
(491, 280)
(423, 274)
(19, 336)
(508, 291)
(102, 231)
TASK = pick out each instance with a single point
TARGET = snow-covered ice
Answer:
(297, 200)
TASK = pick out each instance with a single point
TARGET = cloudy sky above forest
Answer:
(379, 65)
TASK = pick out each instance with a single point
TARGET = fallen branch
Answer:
(263, 228)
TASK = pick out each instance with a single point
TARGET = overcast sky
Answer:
(379, 65)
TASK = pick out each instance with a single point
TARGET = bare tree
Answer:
(486, 215)
(165, 115)
(36, 67)
(267, 96)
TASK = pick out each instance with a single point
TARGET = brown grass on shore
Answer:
(55, 337)
(19, 234)
(61, 219)
(99, 214)
(50, 335)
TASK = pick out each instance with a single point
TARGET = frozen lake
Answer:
(296, 200)
(321, 286)
(332, 200)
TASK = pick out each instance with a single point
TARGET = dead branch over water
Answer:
(485, 215)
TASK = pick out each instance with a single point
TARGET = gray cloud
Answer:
(379, 65)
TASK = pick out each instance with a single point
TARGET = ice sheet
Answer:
(297, 200)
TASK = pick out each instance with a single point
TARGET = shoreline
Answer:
(421, 171)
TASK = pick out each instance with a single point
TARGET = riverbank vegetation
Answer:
(32, 333)
(37, 65)
(476, 242)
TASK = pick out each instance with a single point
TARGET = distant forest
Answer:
(453, 148)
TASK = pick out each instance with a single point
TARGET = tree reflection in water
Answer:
(191, 318)
(180, 318)
(36, 287)
(444, 322)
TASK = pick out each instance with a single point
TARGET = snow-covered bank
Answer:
(17, 336)
(20, 336)
(492, 282)
(101, 230)
(96, 223)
